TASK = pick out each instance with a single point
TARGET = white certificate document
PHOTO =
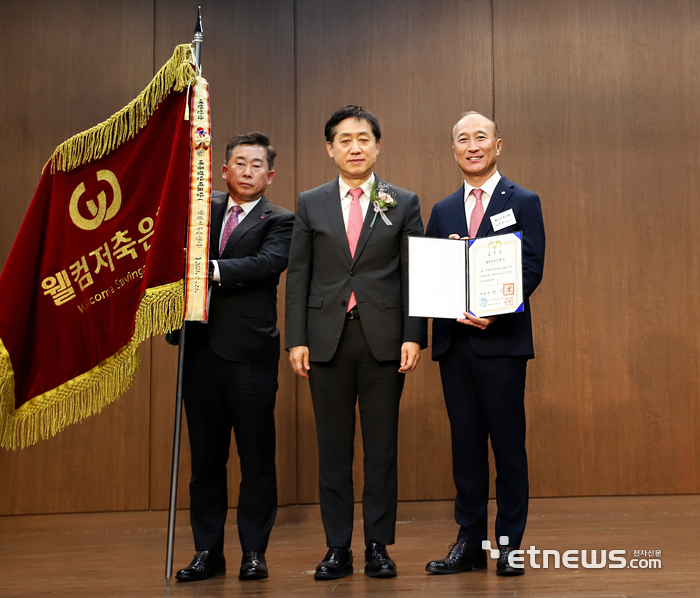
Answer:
(437, 278)
(447, 277)
(496, 275)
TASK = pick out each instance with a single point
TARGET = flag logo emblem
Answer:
(100, 212)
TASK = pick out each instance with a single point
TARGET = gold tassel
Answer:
(161, 310)
(100, 140)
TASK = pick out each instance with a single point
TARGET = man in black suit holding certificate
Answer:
(348, 331)
(483, 360)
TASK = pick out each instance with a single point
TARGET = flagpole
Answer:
(176, 461)
(197, 41)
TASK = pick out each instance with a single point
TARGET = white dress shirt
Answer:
(247, 206)
(487, 188)
(346, 198)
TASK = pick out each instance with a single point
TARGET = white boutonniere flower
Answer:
(382, 200)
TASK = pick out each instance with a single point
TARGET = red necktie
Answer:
(231, 224)
(477, 214)
(354, 230)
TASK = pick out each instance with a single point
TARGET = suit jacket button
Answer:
(343, 303)
(352, 273)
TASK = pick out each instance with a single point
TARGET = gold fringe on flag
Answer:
(95, 143)
(161, 310)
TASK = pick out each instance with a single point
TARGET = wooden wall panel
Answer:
(248, 60)
(416, 66)
(63, 76)
(162, 405)
(97, 465)
(597, 105)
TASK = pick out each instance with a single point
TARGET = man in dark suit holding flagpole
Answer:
(483, 360)
(231, 362)
(348, 331)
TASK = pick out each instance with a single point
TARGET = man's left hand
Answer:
(410, 356)
(480, 323)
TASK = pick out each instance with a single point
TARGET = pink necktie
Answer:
(477, 214)
(231, 225)
(354, 230)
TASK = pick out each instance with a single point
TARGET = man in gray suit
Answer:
(348, 331)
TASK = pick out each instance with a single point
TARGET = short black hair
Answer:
(351, 111)
(254, 138)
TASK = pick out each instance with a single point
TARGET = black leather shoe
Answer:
(503, 567)
(204, 565)
(459, 558)
(378, 562)
(253, 566)
(336, 564)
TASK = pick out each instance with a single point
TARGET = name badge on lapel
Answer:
(502, 220)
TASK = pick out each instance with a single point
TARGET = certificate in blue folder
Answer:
(495, 275)
(447, 277)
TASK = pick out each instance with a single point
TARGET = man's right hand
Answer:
(299, 358)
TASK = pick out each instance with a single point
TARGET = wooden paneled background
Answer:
(597, 103)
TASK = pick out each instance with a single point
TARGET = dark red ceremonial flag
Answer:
(97, 266)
